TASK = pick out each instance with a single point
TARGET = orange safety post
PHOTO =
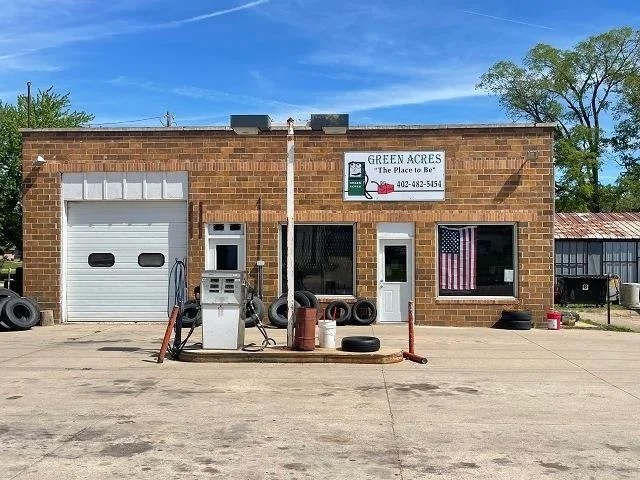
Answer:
(411, 355)
(167, 333)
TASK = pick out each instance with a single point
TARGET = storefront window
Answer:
(323, 259)
(476, 260)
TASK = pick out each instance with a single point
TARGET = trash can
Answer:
(304, 336)
(583, 289)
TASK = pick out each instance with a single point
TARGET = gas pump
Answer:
(223, 299)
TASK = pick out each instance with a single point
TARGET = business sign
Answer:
(416, 176)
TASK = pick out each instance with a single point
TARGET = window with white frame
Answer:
(324, 259)
(225, 246)
(476, 260)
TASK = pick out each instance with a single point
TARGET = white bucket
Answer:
(327, 333)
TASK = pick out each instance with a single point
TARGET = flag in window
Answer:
(457, 258)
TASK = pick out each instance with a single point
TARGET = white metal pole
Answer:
(290, 226)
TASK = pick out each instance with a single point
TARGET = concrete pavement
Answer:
(89, 401)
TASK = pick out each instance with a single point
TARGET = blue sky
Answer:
(380, 61)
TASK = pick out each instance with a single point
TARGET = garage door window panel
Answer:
(324, 259)
(151, 260)
(476, 260)
(101, 260)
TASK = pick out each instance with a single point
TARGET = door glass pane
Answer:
(395, 263)
(227, 257)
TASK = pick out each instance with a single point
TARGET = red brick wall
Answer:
(488, 179)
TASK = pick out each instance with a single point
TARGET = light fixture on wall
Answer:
(532, 155)
(330, 123)
(250, 124)
(39, 161)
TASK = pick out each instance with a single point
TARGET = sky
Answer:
(383, 62)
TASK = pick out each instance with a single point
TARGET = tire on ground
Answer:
(360, 344)
(21, 313)
(364, 312)
(253, 312)
(7, 292)
(509, 315)
(338, 311)
(4, 325)
(515, 325)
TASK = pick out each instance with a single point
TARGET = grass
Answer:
(610, 328)
(8, 266)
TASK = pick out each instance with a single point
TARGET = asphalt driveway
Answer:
(89, 401)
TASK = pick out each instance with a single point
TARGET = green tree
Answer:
(48, 110)
(575, 88)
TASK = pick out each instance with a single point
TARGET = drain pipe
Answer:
(411, 355)
(290, 224)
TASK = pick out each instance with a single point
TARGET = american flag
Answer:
(457, 258)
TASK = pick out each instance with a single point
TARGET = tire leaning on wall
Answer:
(278, 312)
(339, 311)
(369, 307)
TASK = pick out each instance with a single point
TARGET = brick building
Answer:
(463, 222)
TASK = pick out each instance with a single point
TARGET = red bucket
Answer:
(554, 320)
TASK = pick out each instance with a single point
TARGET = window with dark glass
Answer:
(476, 260)
(227, 257)
(323, 259)
(101, 260)
(151, 259)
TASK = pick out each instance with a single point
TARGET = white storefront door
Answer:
(395, 273)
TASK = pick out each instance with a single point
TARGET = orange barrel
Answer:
(554, 320)
(304, 329)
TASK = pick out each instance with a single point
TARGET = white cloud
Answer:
(19, 30)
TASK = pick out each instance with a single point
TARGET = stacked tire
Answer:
(515, 320)
(16, 312)
(277, 312)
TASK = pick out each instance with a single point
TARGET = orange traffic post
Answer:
(411, 355)
(167, 333)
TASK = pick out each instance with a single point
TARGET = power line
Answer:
(125, 121)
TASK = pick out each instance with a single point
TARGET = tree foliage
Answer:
(48, 110)
(577, 89)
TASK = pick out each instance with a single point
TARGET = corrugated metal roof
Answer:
(597, 225)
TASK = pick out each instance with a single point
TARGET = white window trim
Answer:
(241, 236)
(478, 297)
(321, 297)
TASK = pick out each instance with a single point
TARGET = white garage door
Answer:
(119, 255)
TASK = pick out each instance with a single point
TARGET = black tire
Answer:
(520, 315)
(360, 344)
(515, 325)
(191, 314)
(299, 297)
(21, 313)
(7, 293)
(313, 300)
(368, 308)
(4, 325)
(254, 312)
(338, 311)
(278, 312)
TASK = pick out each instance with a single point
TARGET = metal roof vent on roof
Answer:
(250, 124)
(330, 123)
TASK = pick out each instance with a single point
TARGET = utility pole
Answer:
(169, 119)
(290, 230)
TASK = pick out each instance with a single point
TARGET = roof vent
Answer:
(330, 123)
(250, 124)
